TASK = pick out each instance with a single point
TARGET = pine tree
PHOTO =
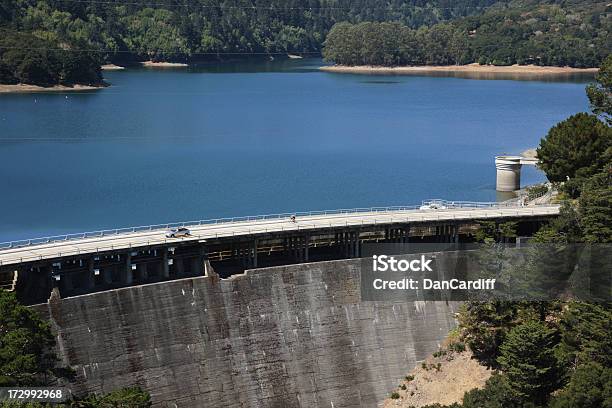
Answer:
(527, 359)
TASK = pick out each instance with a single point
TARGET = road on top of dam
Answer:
(87, 244)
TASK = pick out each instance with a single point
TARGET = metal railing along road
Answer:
(433, 204)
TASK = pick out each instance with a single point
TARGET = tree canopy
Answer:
(575, 148)
(25, 344)
(571, 33)
(528, 361)
(69, 40)
(600, 92)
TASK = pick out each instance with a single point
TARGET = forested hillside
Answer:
(64, 41)
(40, 39)
(574, 33)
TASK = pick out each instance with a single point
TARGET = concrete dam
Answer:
(286, 336)
(248, 312)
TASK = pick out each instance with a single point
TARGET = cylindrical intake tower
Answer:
(508, 173)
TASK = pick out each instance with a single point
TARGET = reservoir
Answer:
(257, 138)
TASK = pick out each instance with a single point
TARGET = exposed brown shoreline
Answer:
(467, 69)
(25, 88)
(151, 64)
(111, 67)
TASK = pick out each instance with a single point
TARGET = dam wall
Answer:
(289, 336)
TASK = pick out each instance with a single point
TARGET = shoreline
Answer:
(26, 88)
(151, 64)
(111, 67)
(460, 69)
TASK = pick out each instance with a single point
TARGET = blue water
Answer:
(242, 139)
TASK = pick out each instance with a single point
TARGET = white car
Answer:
(433, 206)
(178, 232)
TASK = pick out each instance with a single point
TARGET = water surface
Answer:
(255, 138)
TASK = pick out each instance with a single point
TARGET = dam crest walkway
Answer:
(16, 252)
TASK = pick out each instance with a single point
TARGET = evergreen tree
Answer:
(575, 148)
(590, 387)
(528, 361)
(25, 344)
(600, 93)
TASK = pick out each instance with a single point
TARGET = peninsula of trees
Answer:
(569, 33)
(50, 42)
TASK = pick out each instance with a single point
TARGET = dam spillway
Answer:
(287, 336)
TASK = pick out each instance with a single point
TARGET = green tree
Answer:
(528, 361)
(590, 387)
(485, 325)
(600, 93)
(585, 334)
(496, 393)
(564, 229)
(595, 208)
(575, 148)
(25, 344)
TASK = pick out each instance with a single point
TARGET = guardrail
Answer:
(435, 204)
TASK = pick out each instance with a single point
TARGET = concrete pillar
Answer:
(508, 173)
(306, 248)
(180, 267)
(129, 274)
(347, 245)
(165, 269)
(89, 276)
(255, 242)
(108, 276)
(144, 273)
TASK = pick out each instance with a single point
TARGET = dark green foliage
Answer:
(485, 326)
(585, 333)
(590, 387)
(497, 393)
(490, 232)
(25, 344)
(595, 208)
(526, 32)
(183, 30)
(575, 148)
(152, 34)
(536, 191)
(528, 361)
(600, 93)
(133, 397)
(389, 33)
(31, 60)
(457, 347)
(565, 228)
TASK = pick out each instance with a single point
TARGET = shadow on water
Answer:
(568, 77)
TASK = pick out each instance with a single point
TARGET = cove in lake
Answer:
(260, 137)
